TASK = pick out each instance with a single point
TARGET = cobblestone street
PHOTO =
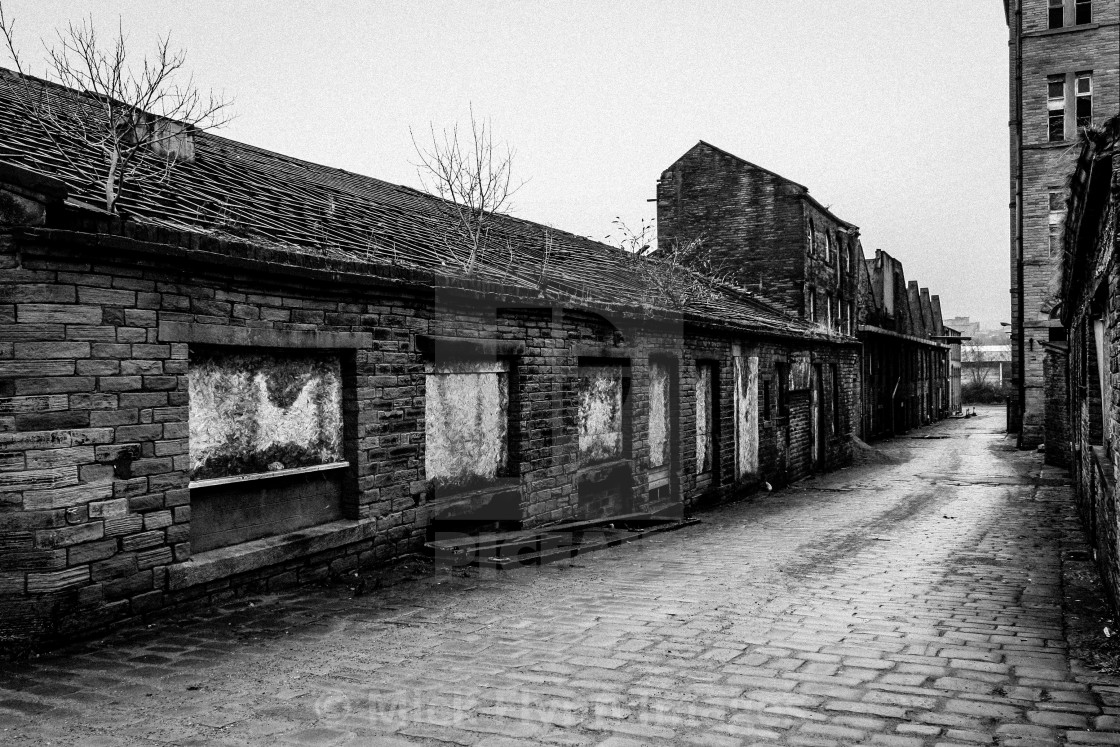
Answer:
(916, 602)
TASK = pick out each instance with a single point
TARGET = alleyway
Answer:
(915, 602)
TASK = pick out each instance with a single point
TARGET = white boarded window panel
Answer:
(746, 415)
(465, 421)
(599, 393)
(703, 418)
(262, 411)
(658, 414)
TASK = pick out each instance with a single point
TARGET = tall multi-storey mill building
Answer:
(1065, 75)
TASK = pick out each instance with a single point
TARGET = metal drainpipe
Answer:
(1021, 332)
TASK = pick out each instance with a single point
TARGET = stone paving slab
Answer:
(915, 603)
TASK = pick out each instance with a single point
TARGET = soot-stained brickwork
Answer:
(769, 234)
(97, 345)
(1083, 383)
(102, 316)
(764, 231)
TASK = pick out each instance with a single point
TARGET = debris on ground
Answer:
(865, 453)
(1089, 620)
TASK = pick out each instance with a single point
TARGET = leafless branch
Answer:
(474, 178)
(676, 273)
(130, 115)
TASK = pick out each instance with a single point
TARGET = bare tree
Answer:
(136, 116)
(677, 272)
(979, 372)
(473, 176)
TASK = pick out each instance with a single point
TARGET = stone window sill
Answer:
(208, 482)
(479, 493)
(229, 561)
(602, 470)
(1062, 30)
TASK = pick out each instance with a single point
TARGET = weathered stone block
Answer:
(91, 552)
(38, 479)
(46, 313)
(112, 509)
(128, 586)
(152, 558)
(33, 560)
(39, 500)
(40, 403)
(120, 383)
(121, 525)
(41, 421)
(53, 581)
(38, 350)
(121, 564)
(51, 538)
(142, 540)
(97, 367)
(54, 439)
(54, 385)
(25, 368)
(106, 297)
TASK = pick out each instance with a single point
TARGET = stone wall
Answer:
(745, 216)
(1045, 169)
(97, 335)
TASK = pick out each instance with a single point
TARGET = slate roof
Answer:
(244, 192)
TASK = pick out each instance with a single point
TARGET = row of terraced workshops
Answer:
(262, 372)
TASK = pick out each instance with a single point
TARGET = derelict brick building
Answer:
(769, 234)
(1065, 75)
(1082, 372)
(269, 371)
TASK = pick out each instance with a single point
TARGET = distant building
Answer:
(964, 325)
(986, 364)
(765, 230)
(769, 235)
(1065, 75)
(955, 400)
(906, 363)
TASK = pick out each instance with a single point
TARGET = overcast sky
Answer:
(894, 114)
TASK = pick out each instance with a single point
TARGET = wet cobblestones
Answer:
(913, 603)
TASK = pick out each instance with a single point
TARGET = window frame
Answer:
(1055, 219)
(1079, 119)
(1078, 6)
(1056, 11)
(1055, 109)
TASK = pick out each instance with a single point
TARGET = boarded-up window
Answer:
(599, 392)
(705, 375)
(837, 399)
(800, 372)
(746, 415)
(262, 412)
(466, 422)
(658, 414)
